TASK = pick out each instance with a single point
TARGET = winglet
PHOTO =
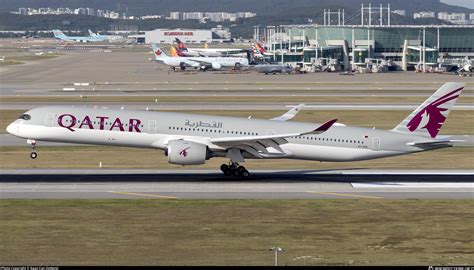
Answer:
(289, 114)
(322, 128)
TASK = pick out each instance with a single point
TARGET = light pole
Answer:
(276, 250)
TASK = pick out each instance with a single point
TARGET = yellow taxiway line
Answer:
(143, 194)
(345, 195)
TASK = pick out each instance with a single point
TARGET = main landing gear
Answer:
(33, 154)
(233, 169)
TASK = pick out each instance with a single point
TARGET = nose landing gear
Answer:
(234, 170)
(33, 153)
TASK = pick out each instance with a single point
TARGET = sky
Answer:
(462, 3)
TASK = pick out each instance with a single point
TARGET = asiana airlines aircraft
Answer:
(191, 139)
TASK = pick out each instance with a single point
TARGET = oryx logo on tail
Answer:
(431, 117)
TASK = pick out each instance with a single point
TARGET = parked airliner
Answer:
(58, 34)
(191, 139)
(109, 38)
(202, 63)
(205, 52)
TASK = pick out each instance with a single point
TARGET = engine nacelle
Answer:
(186, 152)
(216, 65)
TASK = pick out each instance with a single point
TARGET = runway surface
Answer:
(271, 91)
(211, 184)
(229, 106)
(224, 89)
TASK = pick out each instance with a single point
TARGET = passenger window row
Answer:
(328, 139)
(256, 134)
(215, 131)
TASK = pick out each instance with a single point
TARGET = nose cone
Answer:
(12, 128)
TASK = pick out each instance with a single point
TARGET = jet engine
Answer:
(468, 68)
(184, 152)
(216, 65)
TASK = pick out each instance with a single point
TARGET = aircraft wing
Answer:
(202, 62)
(193, 63)
(257, 145)
(289, 114)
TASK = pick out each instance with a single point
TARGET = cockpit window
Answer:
(25, 116)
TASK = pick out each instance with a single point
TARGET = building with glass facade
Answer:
(402, 44)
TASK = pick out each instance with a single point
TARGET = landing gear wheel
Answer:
(245, 173)
(224, 167)
(240, 169)
(242, 172)
(234, 170)
(33, 154)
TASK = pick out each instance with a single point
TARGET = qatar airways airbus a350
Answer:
(191, 139)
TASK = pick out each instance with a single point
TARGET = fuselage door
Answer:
(49, 119)
(376, 143)
(152, 126)
(270, 132)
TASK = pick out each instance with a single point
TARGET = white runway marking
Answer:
(414, 185)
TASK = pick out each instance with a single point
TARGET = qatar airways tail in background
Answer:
(191, 139)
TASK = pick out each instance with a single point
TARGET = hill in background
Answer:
(269, 12)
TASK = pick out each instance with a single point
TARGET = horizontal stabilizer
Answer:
(433, 143)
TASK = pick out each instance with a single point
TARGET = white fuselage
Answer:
(202, 61)
(212, 52)
(145, 129)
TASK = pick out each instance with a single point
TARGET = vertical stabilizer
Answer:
(92, 34)
(58, 34)
(260, 48)
(181, 45)
(428, 118)
(159, 53)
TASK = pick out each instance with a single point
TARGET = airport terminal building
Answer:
(404, 46)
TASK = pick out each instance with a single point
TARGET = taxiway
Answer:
(210, 184)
